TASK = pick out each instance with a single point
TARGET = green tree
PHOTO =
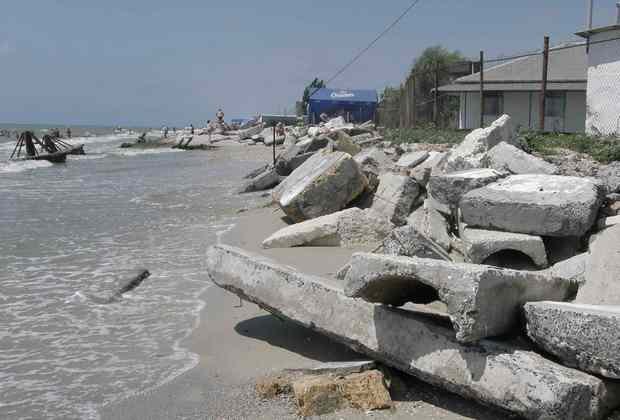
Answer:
(309, 90)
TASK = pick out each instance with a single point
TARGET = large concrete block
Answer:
(408, 241)
(263, 181)
(482, 301)
(547, 205)
(347, 228)
(506, 157)
(469, 154)
(501, 374)
(481, 244)
(323, 184)
(412, 159)
(395, 196)
(586, 337)
(602, 277)
(449, 188)
(422, 172)
(573, 269)
(430, 223)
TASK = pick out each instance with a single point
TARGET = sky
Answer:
(154, 62)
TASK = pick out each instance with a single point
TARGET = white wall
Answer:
(603, 96)
(523, 109)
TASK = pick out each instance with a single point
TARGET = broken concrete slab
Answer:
(318, 395)
(506, 157)
(408, 241)
(323, 184)
(430, 223)
(469, 154)
(395, 196)
(344, 143)
(449, 188)
(481, 244)
(586, 337)
(602, 277)
(413, 159)
(422, 172)
(373, 156)
(347, 228)
(263, 181)
(548, 205)
(482, 301)
(573, 269)
(502, 374)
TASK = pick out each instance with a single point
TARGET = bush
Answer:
(424, 134)
(602, 149)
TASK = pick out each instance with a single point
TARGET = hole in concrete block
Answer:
(397, 291)
(510, 258)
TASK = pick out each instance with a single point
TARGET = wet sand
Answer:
(238, 342)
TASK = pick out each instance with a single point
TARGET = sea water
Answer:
(71, 231)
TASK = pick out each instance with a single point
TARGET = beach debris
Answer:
(407, 241)
(506, 157)
(581, 336)
(422, 172)
(265, 180)
(323, 184)
(412, 159)
(324, 394)
(482, 301)
(482, 244)
(432, 224)
(123, 286)
(506, 374)
(395, 196)
(344, 143)
(602, 275)
(469, 154)
(347, 228)
(448, 188)
(549, 205)
(49, 148)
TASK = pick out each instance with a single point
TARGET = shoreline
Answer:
(238, 344)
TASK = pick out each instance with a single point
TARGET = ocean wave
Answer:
(146, 152)
(23, 165)
(88, 156)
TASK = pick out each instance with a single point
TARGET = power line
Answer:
(374, 41)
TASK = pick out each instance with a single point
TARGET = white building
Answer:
(603, 93)
(513, 88)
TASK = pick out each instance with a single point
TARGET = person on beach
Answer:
(68, 132)
(220, 115)
(280, 129)
(191, 129)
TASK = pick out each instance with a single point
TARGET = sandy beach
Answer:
(238, 342)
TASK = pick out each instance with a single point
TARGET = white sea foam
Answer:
(23, 165)
(125, 152)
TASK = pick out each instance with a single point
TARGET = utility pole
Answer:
(543, 88)
(481, 89)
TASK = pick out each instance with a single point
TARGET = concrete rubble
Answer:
(536, 204)
(507, 375)
(482, 301)
(481, 244)
(395, 196)
(506, 157)
(347, 228)
(323, 184)
(582, 336)
(449, 188)
(493, 233)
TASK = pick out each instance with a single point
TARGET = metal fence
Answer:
(419, 100)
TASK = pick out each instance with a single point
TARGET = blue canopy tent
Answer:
(354, 105)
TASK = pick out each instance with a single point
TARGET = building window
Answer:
(493, 103)
(554, 104)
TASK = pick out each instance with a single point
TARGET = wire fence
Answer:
(543, 91)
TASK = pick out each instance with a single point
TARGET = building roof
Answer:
(345, 95)
(588, 32)
(568, 70)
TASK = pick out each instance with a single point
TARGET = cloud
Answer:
(6, 48)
